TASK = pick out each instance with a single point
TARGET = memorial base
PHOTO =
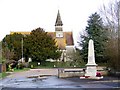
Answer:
(90, 77)
(91, 70)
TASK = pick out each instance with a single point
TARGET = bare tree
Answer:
(111, 16)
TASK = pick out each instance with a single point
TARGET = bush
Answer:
(45, 65)
(11, 64)
(20, 66)
(68, 64)
(32, 64)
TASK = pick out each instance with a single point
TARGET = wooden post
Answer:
(4, 67)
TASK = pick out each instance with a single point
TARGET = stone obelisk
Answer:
(91, 65)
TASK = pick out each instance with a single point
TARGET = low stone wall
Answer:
(63, 73)
(102, 70)
(103, 73)
(77, 72)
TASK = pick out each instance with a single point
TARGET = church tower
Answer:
(58, 26)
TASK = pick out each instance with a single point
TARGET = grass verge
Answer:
(3, 74)
(21, 70)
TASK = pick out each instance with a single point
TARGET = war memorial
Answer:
(61, 78)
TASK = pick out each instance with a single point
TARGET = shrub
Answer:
(20, 66)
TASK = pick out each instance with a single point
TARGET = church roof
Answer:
(58, 20)
(23, 33)
(67, 39)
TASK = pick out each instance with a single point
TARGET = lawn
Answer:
(3, 74)
(20, 70)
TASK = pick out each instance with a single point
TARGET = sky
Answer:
(27, 15)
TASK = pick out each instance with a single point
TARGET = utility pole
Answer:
(22, 48)
(119, 25)
(118, 35)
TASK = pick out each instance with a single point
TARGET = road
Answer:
(19, 81)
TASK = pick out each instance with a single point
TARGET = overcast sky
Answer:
(26, 15)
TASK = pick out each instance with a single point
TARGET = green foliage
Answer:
(64, 64)
(11, 45)
(68, 64)
(77, 59)
(97, 33)
(21, 70)
(3, 74)
(44, 65)
(40, 46)
(9, 68)
(20, 66)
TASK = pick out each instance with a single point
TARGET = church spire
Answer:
(58, 20)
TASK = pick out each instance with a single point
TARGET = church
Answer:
(64, 40)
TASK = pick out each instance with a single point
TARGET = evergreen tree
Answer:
(40, 46)
(96, 32)
(11, 45)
